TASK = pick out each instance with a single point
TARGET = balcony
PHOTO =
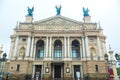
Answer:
(38, 59)
(57, 59)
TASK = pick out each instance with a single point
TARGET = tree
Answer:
(118, 70)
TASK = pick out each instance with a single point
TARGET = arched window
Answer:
(40, 49)
(75, 49)
(57, 49)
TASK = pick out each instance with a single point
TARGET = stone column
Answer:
(34, 51)
(68, 48)
(113, 65)
(50, 47)
(73, 71)
(28, 47)
(16, 47)
(65, 47)
(87, 48)
(46, 47)
(83, 47)
(81, 55)
(32, 44)
(11, 49)
(33, 71)
(42, 71)
(99, 48)
(81, 71)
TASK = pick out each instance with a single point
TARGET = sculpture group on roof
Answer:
(58, 11)
(30, 11)
(85, 11)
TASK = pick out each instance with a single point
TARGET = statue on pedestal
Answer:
(30, 11)
(85, 11)
(58, 9)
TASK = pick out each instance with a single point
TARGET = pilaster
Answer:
(28, 48)
(16, 47)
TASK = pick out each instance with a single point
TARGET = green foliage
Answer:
(118, 71)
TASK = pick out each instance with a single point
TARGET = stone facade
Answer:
(57, 47)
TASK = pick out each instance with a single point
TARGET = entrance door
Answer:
(57, 69)
(76, 69)
(38, 70)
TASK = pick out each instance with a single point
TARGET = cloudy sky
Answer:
(105, 11)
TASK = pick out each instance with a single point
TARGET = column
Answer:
(33, 71)
(73, 71)
(81, 55)
(65, 47)
(46, 47)
(87, 48)
(42, 71)
(11, 49)
(61, 71)
(50, 46)
(28, 46)
(99, 48)
(16, 45)
(83, 47)
(81, 71)
(34, 51)
(32, 44)
(68, 48)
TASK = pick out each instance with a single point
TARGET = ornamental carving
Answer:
(58, 20)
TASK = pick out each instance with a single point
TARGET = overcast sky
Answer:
(105, 11)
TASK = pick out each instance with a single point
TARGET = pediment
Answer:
(58, 20)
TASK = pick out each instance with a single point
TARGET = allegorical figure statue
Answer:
(58, 9)
(30, 11)
(85, 11)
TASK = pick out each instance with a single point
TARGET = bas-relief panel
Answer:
(58, 21)
(57, 24)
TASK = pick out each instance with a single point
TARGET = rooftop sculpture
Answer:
(58, 9)
(85, 11)
(30, 11)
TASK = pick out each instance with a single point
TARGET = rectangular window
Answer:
(18, 67)
(96, 68)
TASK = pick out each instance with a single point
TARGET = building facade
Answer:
(57, 47)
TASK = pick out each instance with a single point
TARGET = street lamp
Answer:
(2, 62)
